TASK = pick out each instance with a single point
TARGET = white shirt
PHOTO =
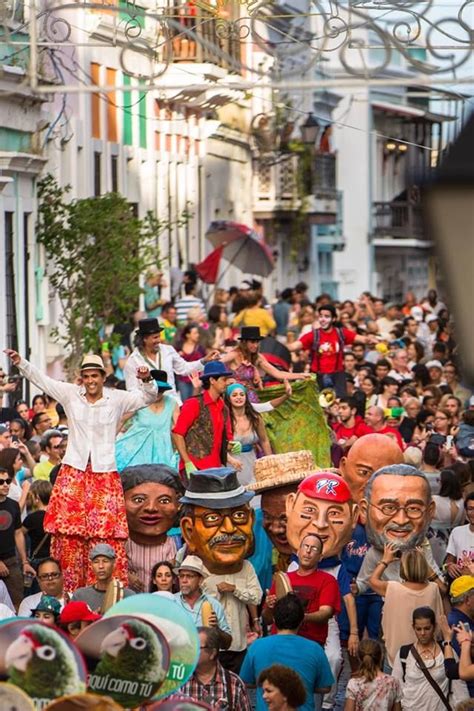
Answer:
(461, 543)
(400, 377)
(93, 427)
(247, 591)
(417, 692)
(30, 603)
(5, 598)
(166, 359)
(5, 612)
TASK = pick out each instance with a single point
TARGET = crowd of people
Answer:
(181, 387)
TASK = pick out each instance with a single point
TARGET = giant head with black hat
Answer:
(217, 519)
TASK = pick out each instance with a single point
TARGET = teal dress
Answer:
(148, 439)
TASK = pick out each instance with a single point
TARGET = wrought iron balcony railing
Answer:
(397, 219)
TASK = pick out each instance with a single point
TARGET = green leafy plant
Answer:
(96, 250)
(299, 226)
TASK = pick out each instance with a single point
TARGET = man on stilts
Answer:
(87, 505)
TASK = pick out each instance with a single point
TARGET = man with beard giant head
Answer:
(398, 509)
(367, 455)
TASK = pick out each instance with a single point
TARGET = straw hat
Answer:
(282, 469)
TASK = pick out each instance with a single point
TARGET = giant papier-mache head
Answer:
(151, 494)
(217, 519)
(397, 507)
(322, 504)
(367, 454)
(276, 476)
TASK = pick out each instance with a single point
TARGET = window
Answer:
(10, 295)
(95, 102)
(97, 173)
(112, 133)
(114, 173)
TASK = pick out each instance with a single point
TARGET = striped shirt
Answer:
(183, 306)
(141, 559)
(226, 691)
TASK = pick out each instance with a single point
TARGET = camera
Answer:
(10, 379)
(438, 439)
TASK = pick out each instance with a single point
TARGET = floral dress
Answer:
(379, 694)
(245, 374)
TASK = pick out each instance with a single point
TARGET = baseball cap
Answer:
(416, 312)
(431, 317)
(77, 611)
(48, 603)
(102, 549)
(327, 486)
(461, 585)
(434, 364)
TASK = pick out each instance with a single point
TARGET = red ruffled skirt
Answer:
(86, 508)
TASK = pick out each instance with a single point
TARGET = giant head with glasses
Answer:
(217, 519)
(322, 504)
(397, 506)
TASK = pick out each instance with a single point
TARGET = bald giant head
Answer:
(367, 454)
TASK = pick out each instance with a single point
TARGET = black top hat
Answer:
(250, 333)
(147, 326)
(216, 488)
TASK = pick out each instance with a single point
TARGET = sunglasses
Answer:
(5, 481)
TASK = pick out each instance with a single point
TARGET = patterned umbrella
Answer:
(242, 247)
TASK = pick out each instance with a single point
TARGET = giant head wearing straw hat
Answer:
(277, 476)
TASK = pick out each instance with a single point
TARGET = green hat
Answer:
(48, 603)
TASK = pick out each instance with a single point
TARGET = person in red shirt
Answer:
(317, 590)
(203, 431)
(349, 425)
(326, 345)
(375, 422)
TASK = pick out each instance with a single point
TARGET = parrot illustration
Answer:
(41, 663)
(132, 650)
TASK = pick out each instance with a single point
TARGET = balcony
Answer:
(324, 173)
(276, 188)
(204, 26)
(399, 220)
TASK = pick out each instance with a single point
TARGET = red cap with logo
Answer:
(327, 486)
(77, 611)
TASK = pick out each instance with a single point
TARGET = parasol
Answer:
(241, 247)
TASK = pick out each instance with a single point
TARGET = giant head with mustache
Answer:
(217, 519)
(398, 507)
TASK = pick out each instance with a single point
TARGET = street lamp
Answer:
(449, 212)
(310, 130)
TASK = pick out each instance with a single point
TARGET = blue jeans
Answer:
(185, 389)
(369, 615)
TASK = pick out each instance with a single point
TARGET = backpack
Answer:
(404, 651)
(317, 341)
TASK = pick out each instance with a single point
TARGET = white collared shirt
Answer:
(167, 359)
(93, 427)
